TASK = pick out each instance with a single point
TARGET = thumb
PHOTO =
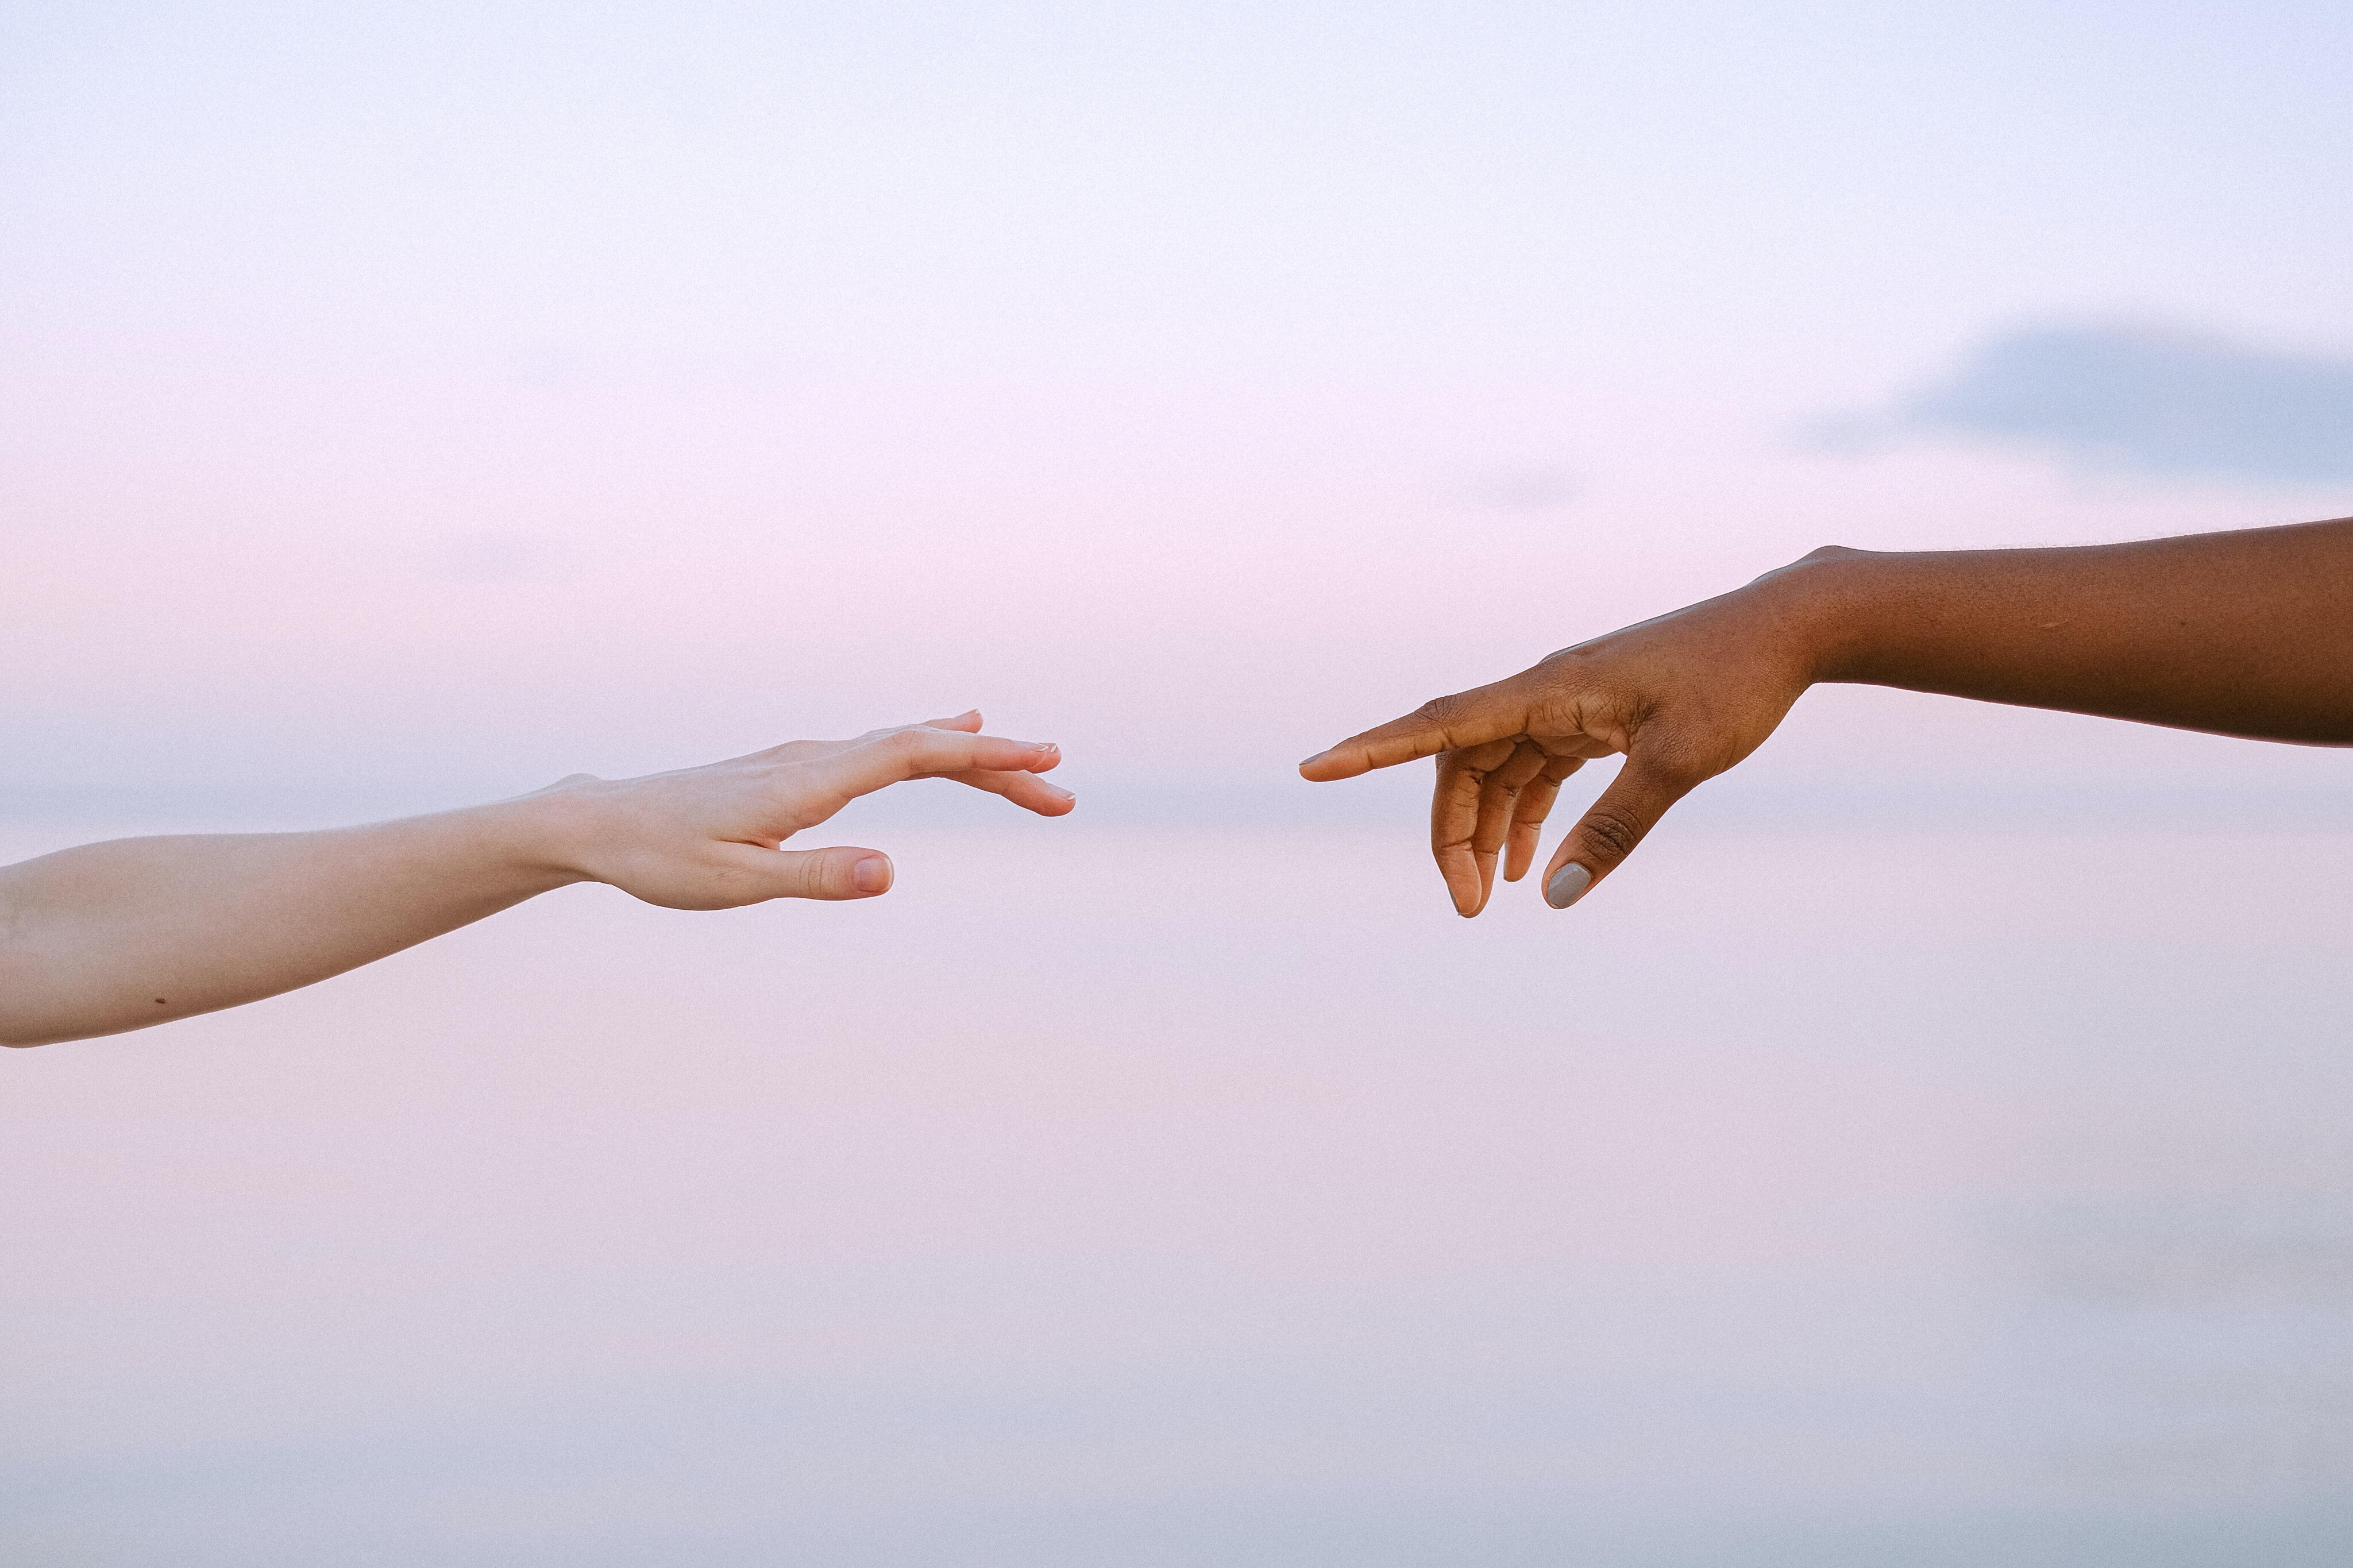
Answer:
(838, 873)
(1610, 829)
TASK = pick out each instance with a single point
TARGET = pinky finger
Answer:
(968, 722)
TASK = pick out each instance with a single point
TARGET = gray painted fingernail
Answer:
(1567, 885)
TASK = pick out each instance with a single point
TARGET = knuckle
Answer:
(1611, 830)
(1559, 663)
(1443, 711)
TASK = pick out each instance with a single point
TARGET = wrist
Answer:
(543, 839)
(1822, 604)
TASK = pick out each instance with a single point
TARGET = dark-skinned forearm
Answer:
(2246, 633)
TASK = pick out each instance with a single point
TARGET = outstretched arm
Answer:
(117, 936)
(2240, 634)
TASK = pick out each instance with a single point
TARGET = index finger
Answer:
(1469, 718)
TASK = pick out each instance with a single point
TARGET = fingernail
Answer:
(871, 875)
(1060, 793)
(1567, 885)
(1305, 760)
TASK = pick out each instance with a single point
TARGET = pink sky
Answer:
(401, 405)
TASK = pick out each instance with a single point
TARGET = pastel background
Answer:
(1936, 1148)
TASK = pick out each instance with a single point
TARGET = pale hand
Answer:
(711, 837)
(107, 937)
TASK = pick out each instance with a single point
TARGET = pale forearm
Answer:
(141, 930)
(2247, 634)
(119, 935)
